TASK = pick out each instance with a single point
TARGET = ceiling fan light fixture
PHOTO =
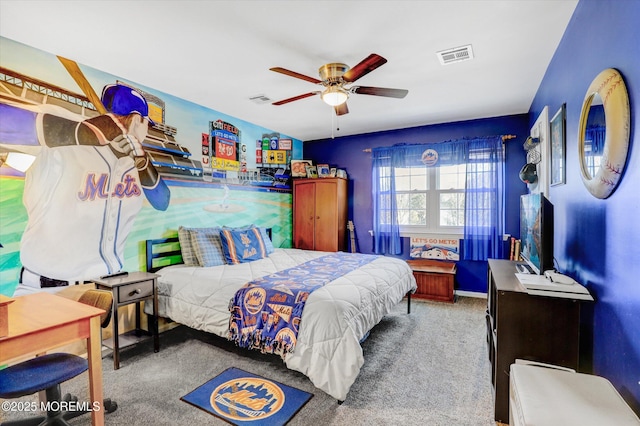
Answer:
(335, 96)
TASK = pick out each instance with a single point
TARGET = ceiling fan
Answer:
(336, 76)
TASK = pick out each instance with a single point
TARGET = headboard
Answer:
(163, 252)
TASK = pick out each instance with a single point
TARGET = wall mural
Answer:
(85, 179)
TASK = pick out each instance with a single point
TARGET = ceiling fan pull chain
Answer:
(334, 124)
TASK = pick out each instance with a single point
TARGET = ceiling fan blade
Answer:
(295, 74)
(341, 109)
(367, 65)
(379, 91)
(295, 98)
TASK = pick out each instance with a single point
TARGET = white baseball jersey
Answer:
(81, 202)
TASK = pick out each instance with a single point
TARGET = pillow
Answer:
(188, 254)
(207, 246)
(268, 244)
(242, 245)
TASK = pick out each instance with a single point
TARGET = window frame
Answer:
(434, 209)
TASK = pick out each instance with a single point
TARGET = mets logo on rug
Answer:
(247, 398)
(243, 398)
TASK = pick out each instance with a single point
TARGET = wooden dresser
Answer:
(522, 326)
(320, 214)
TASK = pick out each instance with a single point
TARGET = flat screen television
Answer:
(536, 232)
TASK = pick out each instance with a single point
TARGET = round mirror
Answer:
(603, 137)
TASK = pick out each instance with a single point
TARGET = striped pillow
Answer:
(268, 244)
(186, 247)
(242, 245)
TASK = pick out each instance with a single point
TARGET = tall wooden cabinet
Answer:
(320, 214)
(524, 326)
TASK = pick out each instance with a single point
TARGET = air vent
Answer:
(260, 99)
(457, 54)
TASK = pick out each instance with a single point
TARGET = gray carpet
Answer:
(427, 368)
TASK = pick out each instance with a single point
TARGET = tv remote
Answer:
(117, 274)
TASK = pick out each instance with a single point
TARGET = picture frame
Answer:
(323, 170)
(557, 147)
(540, 130)
(332, 172)
(312, 172)
(299, 167)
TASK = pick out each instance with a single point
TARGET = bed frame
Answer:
(162, 252)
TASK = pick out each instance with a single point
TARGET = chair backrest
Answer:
(102, 299)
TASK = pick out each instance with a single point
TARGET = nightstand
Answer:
(135, 287)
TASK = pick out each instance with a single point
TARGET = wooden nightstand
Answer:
(434, 279)
(135, 287)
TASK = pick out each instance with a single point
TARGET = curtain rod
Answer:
(504, 139)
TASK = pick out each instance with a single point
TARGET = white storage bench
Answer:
(542, 395)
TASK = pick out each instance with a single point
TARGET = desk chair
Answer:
(46, 372)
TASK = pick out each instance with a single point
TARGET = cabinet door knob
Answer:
(317, 217)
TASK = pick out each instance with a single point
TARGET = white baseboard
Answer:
(471, 294)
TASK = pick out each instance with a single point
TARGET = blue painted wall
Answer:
(347, 153)
(597, 241)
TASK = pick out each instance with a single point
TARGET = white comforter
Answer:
(335, 318)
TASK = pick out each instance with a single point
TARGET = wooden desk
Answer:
(40, 322)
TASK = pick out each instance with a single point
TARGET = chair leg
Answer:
(54, 416)
(108, 406)
(31, 421)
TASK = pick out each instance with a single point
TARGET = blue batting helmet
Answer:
(123, 100)
(529, 173)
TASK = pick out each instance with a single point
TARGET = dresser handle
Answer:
(134, 292)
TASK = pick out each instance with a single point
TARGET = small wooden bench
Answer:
(435, 279)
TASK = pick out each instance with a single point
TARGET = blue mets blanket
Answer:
(265, 313)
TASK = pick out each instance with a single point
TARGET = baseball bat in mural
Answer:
(149, 176)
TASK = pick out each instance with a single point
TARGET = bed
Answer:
(336, 318)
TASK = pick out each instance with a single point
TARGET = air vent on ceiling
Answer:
(260, 99)
(457, 54)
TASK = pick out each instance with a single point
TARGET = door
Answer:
(326, 229)
(304, 207)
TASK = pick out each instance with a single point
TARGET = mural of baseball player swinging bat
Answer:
(86, 185)
(149, 176)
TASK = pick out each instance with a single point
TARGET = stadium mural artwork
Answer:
(104, 173)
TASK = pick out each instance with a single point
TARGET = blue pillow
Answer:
(242, 245)
(268, 244)
(267, 241)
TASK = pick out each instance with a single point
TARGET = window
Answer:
(429, 199)
(453, 187)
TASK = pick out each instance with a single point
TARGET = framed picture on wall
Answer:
(557, 147)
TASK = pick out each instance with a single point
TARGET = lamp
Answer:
(335, 95)
(17, 160)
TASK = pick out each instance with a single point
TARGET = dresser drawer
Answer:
(139, 290)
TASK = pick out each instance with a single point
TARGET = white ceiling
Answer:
(218, 54)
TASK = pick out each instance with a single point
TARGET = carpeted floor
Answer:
(427, 368)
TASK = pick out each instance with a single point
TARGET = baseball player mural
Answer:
(85, 187)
